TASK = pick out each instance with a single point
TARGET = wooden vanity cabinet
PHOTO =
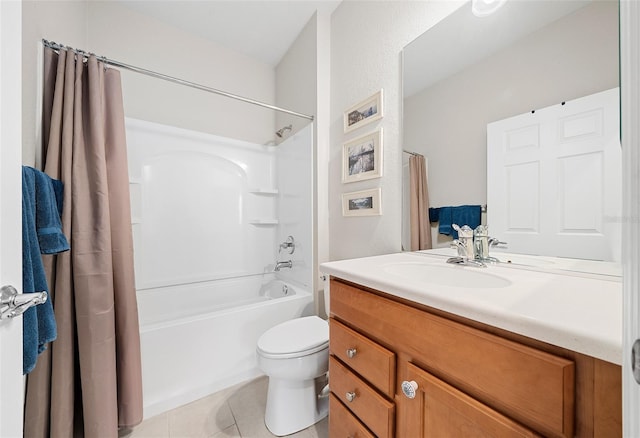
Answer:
(472, 379)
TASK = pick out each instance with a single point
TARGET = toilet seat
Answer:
(294, 338)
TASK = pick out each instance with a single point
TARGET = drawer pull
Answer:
(351, 396)
(409, 389)
(351, 353)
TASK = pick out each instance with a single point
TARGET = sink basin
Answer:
(447, 275)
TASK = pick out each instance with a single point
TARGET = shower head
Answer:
(280, 132)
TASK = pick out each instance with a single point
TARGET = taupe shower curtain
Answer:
(419, 204)
(88, 383)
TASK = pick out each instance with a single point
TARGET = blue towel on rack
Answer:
(41, 234)
(461, 215)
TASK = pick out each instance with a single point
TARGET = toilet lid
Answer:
(300, 336)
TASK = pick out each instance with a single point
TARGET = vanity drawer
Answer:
(533, 387)
(372, 361)
(367, 404)
(342, 423)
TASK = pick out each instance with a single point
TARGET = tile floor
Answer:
(234, 412)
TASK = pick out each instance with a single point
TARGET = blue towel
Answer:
(41, 234)
(461, 215)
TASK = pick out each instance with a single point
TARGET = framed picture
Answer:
(364, 112)
(362, 158)
(362, 203)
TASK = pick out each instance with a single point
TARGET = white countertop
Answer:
(573, 309)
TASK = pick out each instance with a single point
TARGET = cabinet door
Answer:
(439, 410)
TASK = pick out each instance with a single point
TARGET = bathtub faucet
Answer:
(280, 265)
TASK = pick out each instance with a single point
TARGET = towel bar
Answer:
(13, 304)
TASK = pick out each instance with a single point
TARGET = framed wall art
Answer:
(362, 203)
(363, 112)
(362, 158)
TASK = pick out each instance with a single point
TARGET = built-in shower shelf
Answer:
(264, 222)
(260, 191)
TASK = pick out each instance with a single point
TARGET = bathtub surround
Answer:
(97, 353)
(209, 214)
(207, 208)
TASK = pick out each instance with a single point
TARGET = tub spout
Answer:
(280, 265)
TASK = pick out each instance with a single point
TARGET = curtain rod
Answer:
(415, 154)
(84, 54)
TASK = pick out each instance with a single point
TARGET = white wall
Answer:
(295, 80)
(125, 35)
(570, 58)
(296, 75)
(302, 84)
(114, 31)
(294, 177)
(60, 21)
(366, 40)
(323, 135)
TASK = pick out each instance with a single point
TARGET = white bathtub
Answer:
(200, 338)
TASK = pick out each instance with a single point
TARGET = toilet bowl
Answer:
(295, 357)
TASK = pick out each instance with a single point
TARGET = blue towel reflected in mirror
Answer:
(461, 215)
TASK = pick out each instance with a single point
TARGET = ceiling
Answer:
(261, 29)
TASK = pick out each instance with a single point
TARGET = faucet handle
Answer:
(460, 246)
(464, 231)
(493, 241)
(464, 245)
(288, 244)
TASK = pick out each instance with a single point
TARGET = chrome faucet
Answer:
(473, 246)
(280, 265)
(466, 248)
(482, 242)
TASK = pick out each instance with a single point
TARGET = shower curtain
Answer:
(88, 383)
(419, 204)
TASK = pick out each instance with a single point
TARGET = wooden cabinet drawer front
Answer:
(440, 410)
(531, 386)
(368, 405)
(342, 423)
(372, 361)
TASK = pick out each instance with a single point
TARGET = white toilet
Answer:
(295, 356)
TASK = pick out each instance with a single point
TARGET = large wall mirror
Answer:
(468, 72)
